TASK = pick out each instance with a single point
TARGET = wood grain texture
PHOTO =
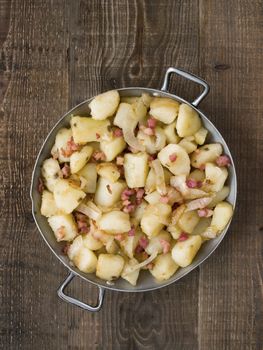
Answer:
(231, 60)
(57, 53)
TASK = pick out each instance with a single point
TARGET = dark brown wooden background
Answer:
(54, 54)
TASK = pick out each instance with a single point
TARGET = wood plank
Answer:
(230, 286)
(34, 53)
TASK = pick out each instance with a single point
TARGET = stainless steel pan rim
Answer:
(73, 271)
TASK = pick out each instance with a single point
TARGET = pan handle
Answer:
(76, 302)
(188, 76)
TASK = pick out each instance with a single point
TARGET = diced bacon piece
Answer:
(143, 242)
(85, 229)
(173, 157)
(70, 148)
(61, 232)
(191, 183)
(205, 213)
(97, 135)
(139, 249)
(127, 193)
(150, 266)
(164, 199)
(98, 155)
(65, 152)
(165, 245)
(129, 208)
(202, 167)
(65, 171)
(223, 160)
(81, 217)
(131, 233)
(65, 249)
(117, 132)
(81, 224)
(72, 145)
(149, 131)
(82, 227)
(119, 160)
(151, 157)
(40, 186)
(126, 202)
(139, 201)
(151, 123)
(140, 193)
(119, 237)
(183, 237)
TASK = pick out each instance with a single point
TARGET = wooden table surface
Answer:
(54, 54)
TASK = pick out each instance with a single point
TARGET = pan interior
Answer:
(145, 281)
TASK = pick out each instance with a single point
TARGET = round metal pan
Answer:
(145, 282)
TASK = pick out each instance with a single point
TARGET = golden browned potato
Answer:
(87, 129)
(108, 171)
(171, 133)
(205, 154)
(67, 198)
(154, 218)
(163, 267)
(108, 193)
(114, 222)
(89, 173)
(111, 148)
(104, 105)
(48, 205)
(222, 214)
(63, 226)
(63, 136)
(188, 144)
(91, 243)
(109, 266)
(136, 169)
(188, 221)
(200, 136)
(188, 121)
(184, 252)
(50, 172)
(79, 158)
(164, 109)
(215, 176)
(175, 159)
(219, 197)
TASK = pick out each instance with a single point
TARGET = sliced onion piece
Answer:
(142, 264)
(160, 139)
(210, 233)
(179, 183)
(199, 203)
(160, 180)
(177, 213)
(130, 139)
(90, 209)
